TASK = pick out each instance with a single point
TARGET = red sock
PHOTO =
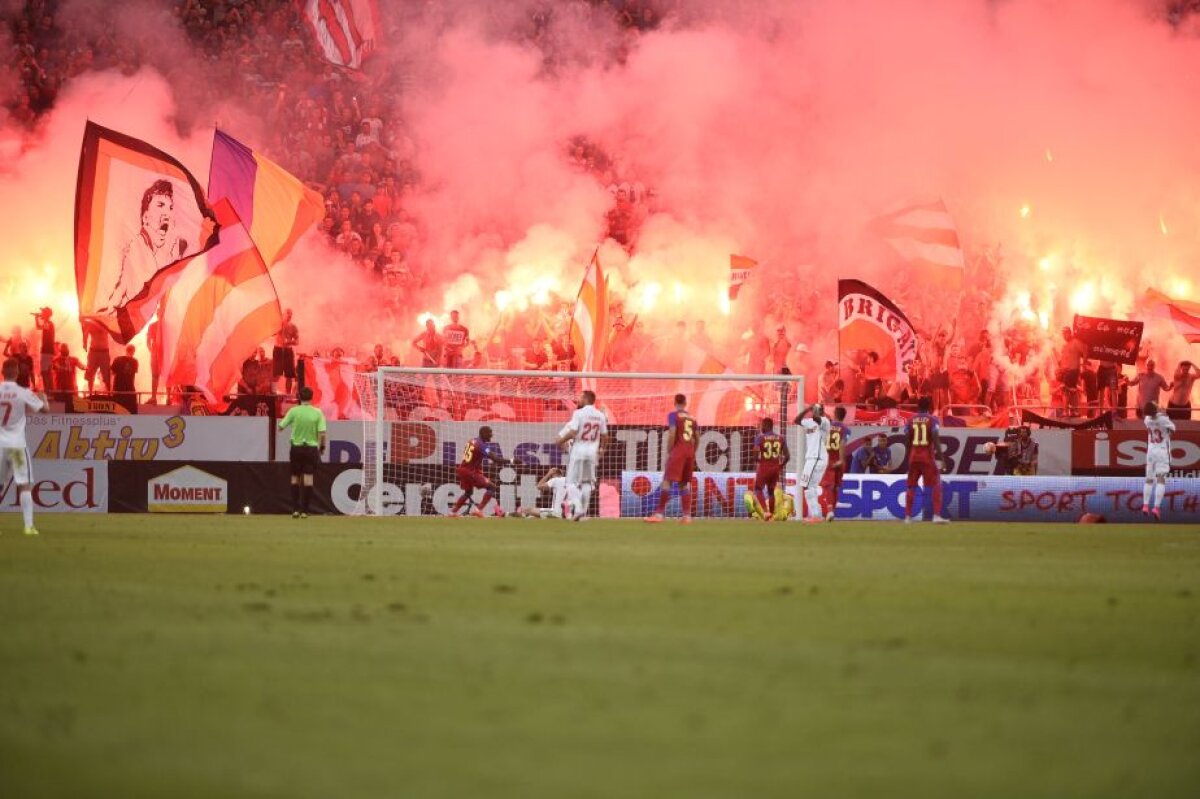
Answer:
(664, 496)
(908, 501)
(770, 503)
(461, 501)
(487, 497)
(685, 501)
(937, 498)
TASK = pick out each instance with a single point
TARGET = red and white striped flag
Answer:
(589, 322)
(216, 311)
(346, 30)
(740, 269)
(332, 382)
(926, 237)
(1184, 314)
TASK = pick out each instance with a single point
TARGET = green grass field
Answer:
(264, 657)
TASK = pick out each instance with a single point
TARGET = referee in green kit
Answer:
(308, 445)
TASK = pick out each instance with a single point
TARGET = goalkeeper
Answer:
(561, 493)
(785, 506)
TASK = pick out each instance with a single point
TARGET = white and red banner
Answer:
(1183, 314)
(332, 382)
(926, 237)
(740, 270)
(346, 30)
(870, 322)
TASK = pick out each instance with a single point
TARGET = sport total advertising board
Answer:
(641, 447)
(986, 498)
(98, 437)
(187, 490)
(62, 487)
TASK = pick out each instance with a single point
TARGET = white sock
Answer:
(1158, 498)
(27, 507)
(1147, 490)
(813, 496)
(586, 498)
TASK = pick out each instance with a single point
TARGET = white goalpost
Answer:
(419, 423)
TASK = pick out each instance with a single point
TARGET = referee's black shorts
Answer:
(304, 459)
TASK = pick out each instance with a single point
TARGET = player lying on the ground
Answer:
(563, 498)
(470, 472)
(1159, 428)
(785, 506)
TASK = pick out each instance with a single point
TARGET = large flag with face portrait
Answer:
(139, 213)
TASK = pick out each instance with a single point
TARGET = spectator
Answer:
(872, 379)
(829, 379)
(983, 366)
(283, 356)
(1150, 383)
(1023, 453)
(429, 343)
(95, 339)
(780, 349)
(455, 337)
(124, 371)
(64, 367)
(1107, 373)
(1070, 364)
(45, 323)
(25, 369)
(152, 344)
(1179, 403)
(874, 457)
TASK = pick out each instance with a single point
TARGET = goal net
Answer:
(421, 422)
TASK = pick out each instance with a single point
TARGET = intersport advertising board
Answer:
(987, 498)
(100, 437)
(635, 447)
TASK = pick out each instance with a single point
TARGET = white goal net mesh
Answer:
(420, 424)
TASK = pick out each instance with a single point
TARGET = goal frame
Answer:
(376, 420)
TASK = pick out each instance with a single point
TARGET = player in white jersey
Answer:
(561, 493)
(816, 457)
(585, 435)
(14, 452)
(1159, 428)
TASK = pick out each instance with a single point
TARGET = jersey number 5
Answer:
(688, 429)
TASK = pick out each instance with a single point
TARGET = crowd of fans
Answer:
(345, 135)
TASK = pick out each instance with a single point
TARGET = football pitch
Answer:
(257, 656)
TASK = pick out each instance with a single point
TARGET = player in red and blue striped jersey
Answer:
(682, 432)
(470, 472)
(831, 483)
(921, 437)
(771, 450)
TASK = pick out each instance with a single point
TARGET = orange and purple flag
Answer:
(273, 204)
